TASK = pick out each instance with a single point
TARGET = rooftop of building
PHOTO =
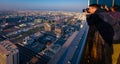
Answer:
(7, 47)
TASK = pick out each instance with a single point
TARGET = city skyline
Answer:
(73, 5)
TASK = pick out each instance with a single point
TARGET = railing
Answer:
(87, 47)
(94, 49)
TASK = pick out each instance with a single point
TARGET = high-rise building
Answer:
(9, 53)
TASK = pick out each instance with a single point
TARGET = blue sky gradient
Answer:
(43, 4)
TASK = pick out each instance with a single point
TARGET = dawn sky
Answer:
(43, 4)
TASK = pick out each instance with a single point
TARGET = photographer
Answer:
(104, 28)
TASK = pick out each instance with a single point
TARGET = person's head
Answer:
(92, 8)
(102, 6)
(106, 8)
(114, 8)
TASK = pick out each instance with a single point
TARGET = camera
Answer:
(86, 10)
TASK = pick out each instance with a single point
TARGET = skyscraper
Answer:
(9, 53)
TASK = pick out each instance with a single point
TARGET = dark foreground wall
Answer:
(96, 51)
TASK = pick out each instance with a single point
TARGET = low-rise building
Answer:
(9, 53)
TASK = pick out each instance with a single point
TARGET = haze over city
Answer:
(72, 5)
(35, 31)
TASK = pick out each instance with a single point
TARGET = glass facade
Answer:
(109, 3)
(93, 1)
(117, 2)
(105, 2)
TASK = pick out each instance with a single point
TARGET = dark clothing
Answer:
(104, 28)
(119, 23)
(99, 10)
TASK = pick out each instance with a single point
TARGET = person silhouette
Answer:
(104, 28)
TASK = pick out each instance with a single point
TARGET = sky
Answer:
(44, 4)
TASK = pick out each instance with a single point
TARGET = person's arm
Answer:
(92, 19)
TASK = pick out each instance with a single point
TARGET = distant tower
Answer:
(9, 53)
(47, 27)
